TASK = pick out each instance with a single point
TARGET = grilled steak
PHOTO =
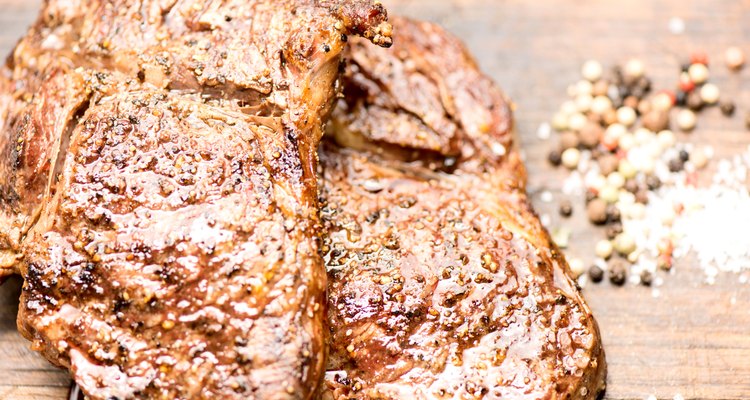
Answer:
(158, 191)
(442, 282)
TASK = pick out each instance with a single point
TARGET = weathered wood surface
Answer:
(694, 339)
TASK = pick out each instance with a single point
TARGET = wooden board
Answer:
(694, 339)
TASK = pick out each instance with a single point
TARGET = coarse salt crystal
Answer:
(544, 131)
(715, 218)
(676, 25)
(546, 220)
(573, 184)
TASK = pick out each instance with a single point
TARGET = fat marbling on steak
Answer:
(158, 190)
(443, 284)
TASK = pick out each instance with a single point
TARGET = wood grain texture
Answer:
(694, 339)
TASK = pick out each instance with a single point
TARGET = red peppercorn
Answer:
(670, 94)
(665, 247)
(609, 142)
(664, 262)
(686, 84)
(699, 57)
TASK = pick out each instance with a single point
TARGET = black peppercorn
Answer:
(613, 214)
(597, 153)
(647, 278)
(624, 92)
(727, 107)
(555, 157)
(618, 272)
(617, 76)
(676, 165)
(613, 230)
(644, 84)
(641, 196)
(617, 102)
(566, 208)
(637, 92)
(680, 97)
(631, 186)
(684, 155)
(596, 274)
(653, 182)
(694, 101)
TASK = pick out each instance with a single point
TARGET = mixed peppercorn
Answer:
(615, 136)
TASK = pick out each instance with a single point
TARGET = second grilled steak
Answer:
(158, 191)
(442, 282)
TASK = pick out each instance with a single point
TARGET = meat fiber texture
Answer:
(443, 284)
(158, 191)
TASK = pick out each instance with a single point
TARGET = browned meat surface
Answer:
(442, 282)
(158, 191)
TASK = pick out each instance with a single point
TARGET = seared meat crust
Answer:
(442, 282)
(158, 191)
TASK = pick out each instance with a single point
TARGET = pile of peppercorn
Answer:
(615, 135)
